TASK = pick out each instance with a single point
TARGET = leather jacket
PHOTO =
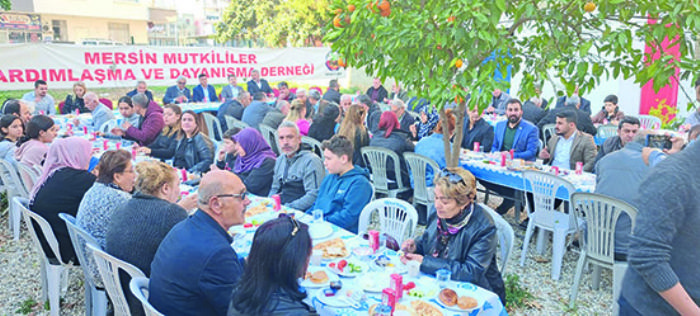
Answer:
(194, 154)
(470, 254)
(283, 306)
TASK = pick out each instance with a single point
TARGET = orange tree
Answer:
(444, 50)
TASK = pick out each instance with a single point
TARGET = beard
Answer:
(513, 119)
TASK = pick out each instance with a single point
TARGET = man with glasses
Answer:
(178, 93)
(629, 126)
(298, 172)
(195, 268)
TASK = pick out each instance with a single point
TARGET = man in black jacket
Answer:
(583, 119)
(405, 119)
(533, 110)
(333, 93)
(233, 107)
(477, 130)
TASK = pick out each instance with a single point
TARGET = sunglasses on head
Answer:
(452, 177)
(295, 229)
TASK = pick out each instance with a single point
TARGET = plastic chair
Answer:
(15, 188)
(546, 218)
(397, 218)
(649, 122)
(107, 102)
(233, 122)
(505, 236)
(606, 131)
(28, 175)
(270, 135)
(314, 144)
(418, 165)
(95, 299)
(601, 214)
(547, 132)
(139, 287)
(108, 126)
(51, 268)
(213, 126)
(60, 106)
(376, 158)
(109, 267)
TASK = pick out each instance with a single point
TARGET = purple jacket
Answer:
(151, 126)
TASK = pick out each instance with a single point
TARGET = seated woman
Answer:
(115, 181)
(477, 130)
(33, 147)
(255, 164)
(126, 110)
(354, 129)
(76, 101)
(432, 146)
(11, 130)
(164, 146)
(323, 126)
(297, 114)
(226, 157)
(278, 257)
(138, 226)
(396, 140)
(460, 237)
(610, 113)
(62, 185)
(195, 151)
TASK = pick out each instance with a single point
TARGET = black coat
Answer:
(264, 87)
(471, 253)
(281, 305)
(585, 104)
(322, 129)
(583, 119)
(398, 142)
(482, 132)
(406, 121)
(258, 181)
(533, 113)
(231, 108)
(383, 94)
(164, 147)
(193, 154)
(71, 103)
(332, 95)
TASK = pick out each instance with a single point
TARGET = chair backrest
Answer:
(107, 102)
(315, 145)
(80, 238)
(649, 122)
(544, 187)
(606, 131)
(30, 218)
(61, 105)
(601, 213)
(418, 165)
(233, 122)
(376, 158)
(108, 126)
(213, 126)
(270, 135)
(13, 182)
(29, 176)
(505, 236)
(397, 218)
(547, 132)
(109, 267)
(139, 287)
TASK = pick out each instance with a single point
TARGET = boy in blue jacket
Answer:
(345, 190)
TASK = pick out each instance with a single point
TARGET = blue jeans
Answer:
(625, 308)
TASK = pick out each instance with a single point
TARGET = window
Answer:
(119, 32)
(59, 30)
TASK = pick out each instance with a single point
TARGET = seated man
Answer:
(583, 119)
(570, 146)
(628, 127)
(276, 115)
(499, 102)
(232, 90)
(151, 123)
(195, 268)
(405, 120)
(234, 108)
(298, 172)
(141, 87)
(476, 130)
(42, 100)
(256, 84)
(17, 108)
(204, 92)
(333, 92)
(285, 94)
(100, 113)
(255, 112)
(178, 93)
(346, 189)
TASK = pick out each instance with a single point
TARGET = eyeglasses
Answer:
(294, 222)
(452, 177)
(182, 83)
(241, 196)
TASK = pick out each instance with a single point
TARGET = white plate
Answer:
(320, 230)
(395, 266)
(374, 282)
(346, 271)
(339, 300)
(461, 291)
(331, 277)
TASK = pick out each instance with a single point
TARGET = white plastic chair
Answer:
(418, 165)
(108, 126)
(15, 188)
(377, 159)
(28, 175)
(607, 131)
(397, 218)
(109, 267)
(234, 122)
(314, 144)
(649, 122)
(546, 218)
(601, 214)
(547, 132)
(213, 126)
(270, 135)
(51, 269)
(505, 236)
(95, 299)
(139, 287)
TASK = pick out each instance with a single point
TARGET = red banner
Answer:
(667, 95)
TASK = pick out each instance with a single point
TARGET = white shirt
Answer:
(234, 91)
(562, 152)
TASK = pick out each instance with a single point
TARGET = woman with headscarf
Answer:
(391, 137)
(323, 126)
(62, 185)
(255, 164)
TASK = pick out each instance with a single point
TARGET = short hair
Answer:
(140, 82)
(242, 95)
(38, 83)
(140, 100)
(314, 94)
(345, 96)
(628, 120)
(181, 78)
(462, 190)
(111, 163)
(364, 99)
(202, 75)
(611, 98)
(90, 95)
(339, 145)
(572, 101)
(208, 190)
(231, 75)
(228, 134)
(127, 100)
(397, 103)
(153, 174)
(280, 104)
(333, 84)
(515, 101)
(11, 106)
(569, 115)
(641, 136)
(289, 124)
(282, 84)
(255, 71)
(259, 96)
(301, 90)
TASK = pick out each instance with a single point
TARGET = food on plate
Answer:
(425, 309)
(256, 210)
(466, 302)
(448, 297)
(317, 277)
(343, 266)
(399, 308)
(334, 248)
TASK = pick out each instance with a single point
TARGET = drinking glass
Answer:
(443, 277)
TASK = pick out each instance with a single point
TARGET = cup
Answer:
(318, 215)
(413, 268)
(316, 257)
(443, 277)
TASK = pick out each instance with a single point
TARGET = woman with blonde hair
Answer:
(164, 145)
(297, 114)
(76, 101)
(460, 237)
(353, 128)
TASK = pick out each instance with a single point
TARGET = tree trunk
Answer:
(452, 152)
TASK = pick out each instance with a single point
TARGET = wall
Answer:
(109, 9)
(85, 27)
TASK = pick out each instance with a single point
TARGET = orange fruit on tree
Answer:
(451, 19)
(458, 63)
(351, 8)
(589, 7)
(384, 6)
(386, 13)
(458, 99)
(439, 46)
(338, 11)
(336, 22)
(341, 62)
